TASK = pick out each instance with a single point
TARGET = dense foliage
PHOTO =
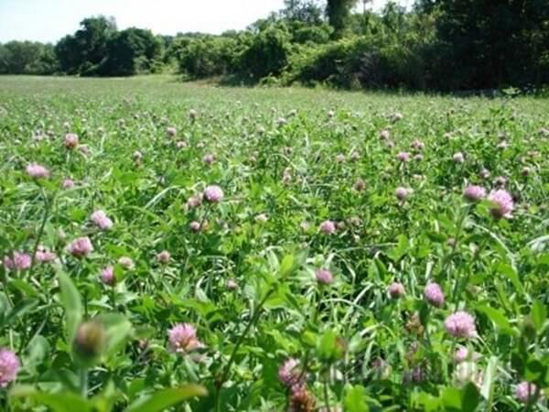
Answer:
(270, 249)
(338, 12)
(85, 52)
(25, 57)
(496, 44)
(442, 45)
(205, 56)
(98, 48)
(132, 51)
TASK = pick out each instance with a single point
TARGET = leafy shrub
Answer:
(268, 52)
(206, 55)
(319, 34)
(369, 62)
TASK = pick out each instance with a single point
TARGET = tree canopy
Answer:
(98, 48)
(437, 45)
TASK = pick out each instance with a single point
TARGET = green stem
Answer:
(305, 361)
(426, 326)
(448, 257)
(33, 259)
(460, 286)
(326, 397)
(40, 231)
(304, 367)
(113, 298)
(452, 354)
(226, 371)
(85, 303)
(84, 382)
(5, 284)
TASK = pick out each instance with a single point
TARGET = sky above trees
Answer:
(48, 21)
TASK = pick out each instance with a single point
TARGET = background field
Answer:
(287, 160)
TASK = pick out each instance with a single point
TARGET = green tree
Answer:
(47, 62)
(495, 42)
(307, 11)
(93, 39)
(131, 51)
(68, 55)
(87, 50)
(26, 57)
(338, 12)
(18, 56)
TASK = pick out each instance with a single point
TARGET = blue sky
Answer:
(49, 20)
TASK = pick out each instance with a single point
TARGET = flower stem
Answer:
(226, 371)
(326, 397)
(449, 256)
(47, 207)
(113, 298)
(84, 382)
(456, 291)
(5, 282)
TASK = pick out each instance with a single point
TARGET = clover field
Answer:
(186, 247)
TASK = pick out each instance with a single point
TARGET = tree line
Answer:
(437, 45)
(98, 48)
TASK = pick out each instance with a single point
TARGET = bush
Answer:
(319, 34)
(268, 52)
(320, 63)
(206, 56)
(364, 61)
